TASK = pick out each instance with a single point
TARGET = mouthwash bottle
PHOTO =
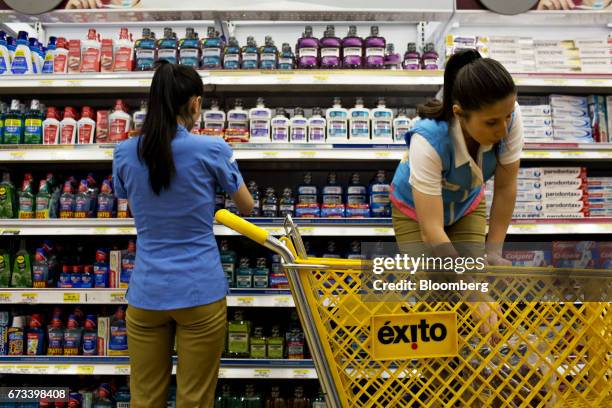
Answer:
(375, 50)
(144, 51)
(261, 274)
(13, 124)
(412, 58)
(228, 262)
(258, 343)
(250, 54)
(259, 118)
(38, 57)
(231, 54)
(276, 344)
(251, 399)
(355, 251)
(269, 205)
(352, 49)
(268, 54)
(5, 270)
(357, 198)
(332, 198)
(103, 397)
(337, 123)
(237, 124)
(299, 127)
(307, 192)
(331, 250)
(319, 400)
(67, 201)
(227, 399)
(359, 123)
(212, 48)
(82, 200)
(122, 397)
(380, 204)
(5, 56)
(330, 49)
(244, 274)
(280, 127)
(49, 62)
(317, 127)
(90, 336)
(286, 59)
(430, 57)
(295, 344)
(219, 198)
(278, 277)
(307, 50)
(33, 119)
(117, 343)
(167, 47)
(299, 400)
(230, 205)
(22, 59)
(238, 339)
(128, 259)
(11, 45)
(43, 200)
(27, 202)
(7, 197)
(287, 203)
(382, 123)
(3, 111)
(189, 49)
(401, 126)
(392, 59)
(214, 119)
(254, 190)
(275, 400)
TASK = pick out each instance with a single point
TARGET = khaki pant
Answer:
(200, 339)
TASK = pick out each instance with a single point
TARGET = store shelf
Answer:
(296, 81)
(236, 297)
(580, 18)
(80, 365)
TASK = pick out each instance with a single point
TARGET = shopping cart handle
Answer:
(242, 226)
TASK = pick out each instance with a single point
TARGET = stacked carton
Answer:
(570, 118)
(537, 123)
(600, 196)
(517, 54)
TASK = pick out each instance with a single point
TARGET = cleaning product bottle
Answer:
(68, 126)
(228, 261)
(401, 126)
(167, 47)
(430, 57)
(7, 197)
(238, 331)
(244, 274)
(139, 117)
(330, 49)
(35, 336)
(392, 59)
(22, 269)
(40, 269)
(382, 123)
(60, 60)
(231, 54)
(258, 343)
(90, 336)
(72, 337)
(5, 56)
(286, 203)
(189, 49)
(212, 48)
(359, 123)
(275, 400)
(259, 118)
(117, 342)
(337, 123)
(412, 58)
(286, 59)
(332, 205)
(250, 54)
(269, 205)
(103, 398)
(119, 122)
(43, 200)
(268, 54)
(123, 51)
(5, 273)
(128, 259)
(22, 60)
(55, 336)
(16, 336)
(33, 120)
(214, 119)
(261, 274)
(280, 127)
(13, 125)
(317, 127)
(299, 127)
(379, 189)
(145, 51)
(37, 58)
(27, 203)
(91, 52)
(86, 126)
(49, 63)
(254, 190)
(51, 127)
(307, 50)
(352, 49)
(237, 123)
(374, 50)
(67, 201)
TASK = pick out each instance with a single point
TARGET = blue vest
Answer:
(459, 195)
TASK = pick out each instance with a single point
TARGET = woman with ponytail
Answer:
(177, 288)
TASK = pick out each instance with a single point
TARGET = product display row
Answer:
(106, 395)
(563, 254)
(228, 398)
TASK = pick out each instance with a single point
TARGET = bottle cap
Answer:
(91, 34)
(62, 43)
(87, 112)
(69, 112)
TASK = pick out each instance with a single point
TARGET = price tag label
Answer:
(269, 154)
(7, 369)
(11, 232)
(282, 301)
(382, 154)
(382, 231)
(23, 369)
(108, 153)
(322, 78)
(19, 155)
(308, 154)
(101, 230)
(85, 369)
(122, 370)
(117, 297)
(306, 230)
(283, 78)
(262, 373)
(29, 297)
(74, 82)
(42, 369)
(72, 297)
(274, 230)
(46, 82)
(555, 81)
(573, 154)
(144, 82)
(127, 231)
(597, 81)
(62, 369)
(301, 373)
(245, 301)
(5, 297)
(223, 373)
(535, 154)
(524, 227)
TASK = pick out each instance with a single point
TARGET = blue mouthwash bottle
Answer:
(250, 54)
(212, 47)
(144, 51)
(231, 55)
(268, 57)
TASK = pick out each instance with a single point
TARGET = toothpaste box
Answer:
(528, 185)
(545, 133)
(102, 126)
(564, 101)
(574, 254)
(106, 58)
(565, 207)
(597, 200)
(526, 216)
(466, 40)
(609, 117)
(536, 110)
(561, 122)
(593, 194)
(553, 172)
(533, 100)
(563, 185)
(596, 65)
(563, 216)
(307, 210)
(537, 121)
(570, 195)
(554, 44)
(503, 41)
(570, 112)
(533, 258)
(528, 207)
(528, 195)
(561, 132)
(598, 43)
(600, 214)
(114, 269)
(74, 56)
(4, 323)
(103, 335)
(604, 257)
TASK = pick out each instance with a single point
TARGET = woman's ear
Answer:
(195, 104)
(457, 111)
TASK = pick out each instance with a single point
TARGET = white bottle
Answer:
(51, 127)
(401, 125)
(91, 52)
(280, 127)
(86, 126)
(139, 117)
(299, 127)
(359, 123)
(68, 126)
(382, 123)
(214, 119)
(38, 58)
(238, 118)
(337, 123)
(5, 56)
(60, 64)
(119, 123)
(22, 60)
(317, 126)
(49, 63)
(123, 52)
(259, 118)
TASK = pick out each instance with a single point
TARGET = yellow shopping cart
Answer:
(419, 353)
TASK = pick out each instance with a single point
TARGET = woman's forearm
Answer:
(501, 214)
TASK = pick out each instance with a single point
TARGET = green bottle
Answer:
(276, 344)
(7, 197)
(33, 119)
(258, 343)
(260, 274)
(22, 269)
(251, 399)
(43, 200)
(5, 269)
(227, 399)
(27, 206)
(238, 331)
(13, 125)
(244, 274)
(228, 262)
(3, 109)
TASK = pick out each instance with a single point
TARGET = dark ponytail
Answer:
(171, 89)
(471, 82)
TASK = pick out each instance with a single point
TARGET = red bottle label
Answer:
(67, 134)
(50, 134)
(117, 130)
(85, 134)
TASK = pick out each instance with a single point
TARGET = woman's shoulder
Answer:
(126, 147)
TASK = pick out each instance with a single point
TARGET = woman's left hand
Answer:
(495, 259)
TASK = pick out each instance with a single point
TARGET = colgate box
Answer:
(534, 258)
(74, 56)
(102, 127)
(605, 255)
(107, 60)
(575, 254)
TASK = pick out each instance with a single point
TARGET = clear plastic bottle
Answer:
(250, 54)
(261, 274)
(275, 400)
(123, 51)
(375, 49)
(268, 55)
(244, 274)
(317, 127)
(382, 123)
(319, 400)
(214, 120)
(359, 123)
(228, 262)
(307, 50)
(299, 127)
(237, 123)
(379, 189)
(287, 203)
(307, 192)
(275, 344)
(337, 123)
(280, 127)
(332, 192)
(393, 60)
(299, 400)
(231, 55)
(259, 118)
(251, 399)
(352, 49)
(258, 343)
(212, 48)
(91, 52)
(412, 58)
(286, 59)
(330, 46)
(139, 117)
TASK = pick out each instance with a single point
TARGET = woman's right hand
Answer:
(556, 5)
(83, 4)
(488, 314)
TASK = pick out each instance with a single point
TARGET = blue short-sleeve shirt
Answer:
(177, 258)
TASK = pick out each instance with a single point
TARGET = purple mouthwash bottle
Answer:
(392, 59)
(430, 57)
(307, 50)
(412, 58)
(330, 49)
(352, 49)
(375, 50)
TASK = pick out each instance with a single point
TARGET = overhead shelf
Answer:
(542, 18)
(312, 227)
(236, 297)
(81, 365)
